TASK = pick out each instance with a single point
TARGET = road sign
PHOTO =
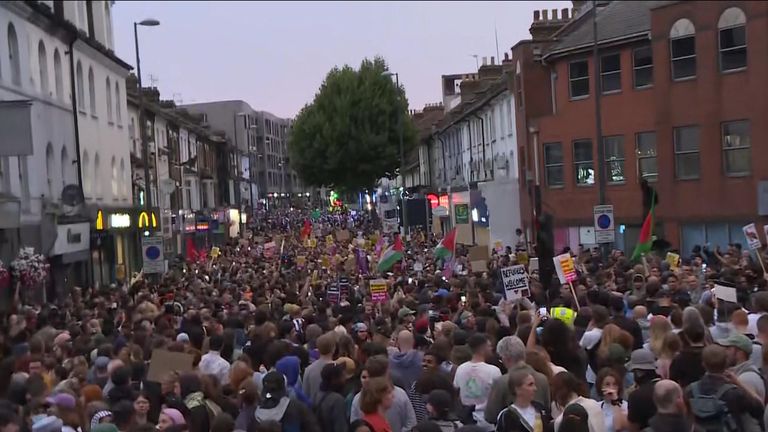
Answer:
(605, 232)
(152, 252)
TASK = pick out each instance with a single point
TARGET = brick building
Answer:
(678, 82)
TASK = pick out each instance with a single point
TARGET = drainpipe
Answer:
(482, 134)
(75, 115)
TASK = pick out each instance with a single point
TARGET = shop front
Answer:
(116, 242)
(218, 227)
(202, 226)
(69, 257)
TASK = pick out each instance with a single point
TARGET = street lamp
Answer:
(149, 22)
(402, 150)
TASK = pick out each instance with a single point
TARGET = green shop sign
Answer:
(461, 212)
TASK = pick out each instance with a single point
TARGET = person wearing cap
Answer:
(276, 406)
(640, 408)
(64, 406)
(405, 364)
(406, 316)
(330, 405)
(739, 348)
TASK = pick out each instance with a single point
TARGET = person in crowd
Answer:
(524, 413)
(212, 363)
(275, 405)
(739, 349)
(326, 347)
(171, 418)
(376, 398)
(568, 390)
(399, 414)
(329, 406)
(475, 378)
(405, 364)
(610, 389)
(441, 410)
(640, 406)
(671, 409)
(433, 377)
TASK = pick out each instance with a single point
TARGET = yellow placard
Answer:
(313, 243)
(215, 251)
(378, 288)
(329, 240)
(674, 260)
(522, 258)
(301, 261)
(325, 262)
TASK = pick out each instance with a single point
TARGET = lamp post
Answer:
(239, 160)
(149, 22)
(402, 150)
(605, 248)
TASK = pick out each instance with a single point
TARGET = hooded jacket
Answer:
(405, 367)
(293, 416)
(289, 366)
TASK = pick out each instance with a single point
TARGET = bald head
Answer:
(639, 312)
(405, 340)
(667, 395)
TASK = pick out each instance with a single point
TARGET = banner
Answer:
(379, 292)
(515, 282)
(566, 271)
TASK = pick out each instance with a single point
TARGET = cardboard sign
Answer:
(753, 240)
(566, 271)
(164, 361)
(326, 262)
(522, 258)
(674, 260)
(725, 293)
(418, 266)
(313, 243)
(379, 292)
(342, 235)
(215, 251)
(269, 249)
(515, 282)
(329, 240)
(301, 261)
(479, 266)
(478, 253)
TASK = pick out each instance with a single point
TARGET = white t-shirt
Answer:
(588, 341)
(594, 412)
(608, 413)
(474, 381)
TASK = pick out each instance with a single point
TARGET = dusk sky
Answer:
(275, 55)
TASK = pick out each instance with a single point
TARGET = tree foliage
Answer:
(348, 137)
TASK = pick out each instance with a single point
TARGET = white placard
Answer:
(753, 239)
(725, 293)
(515, 282)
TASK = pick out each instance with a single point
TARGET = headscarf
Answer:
(289, 366)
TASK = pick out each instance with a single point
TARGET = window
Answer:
(107, 25)
(108, 89)
(733, 39)
(50, 167)
(553, 164)
(13, 55)
(66, 165)
(42, 62)
(92, 91)
(614, 159)
(58, 79)
(582, 161)
(125, 181)
(492, 123)
(24, 180)
(80, 87)
(86, 174)
(687, 152)
(510, 119)
(682, 41)
(736, 148)
(5, 174)
(610, 73)
(82, 15)
(96, 176)
(647, 165)
(642, 63)
(578, 79)
(118, 112)
(518, 85)
(114, 178)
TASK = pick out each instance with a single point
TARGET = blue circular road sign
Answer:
(152, 252)
(604, 221)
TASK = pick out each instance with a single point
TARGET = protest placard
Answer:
(269, 249)
(479, 266)
(674, 260)
(753, 239)
(566, 271)
(215, 252)
(164, 361)
(478, 253)
(333, 294)
(533, 265)
(515, 282)
(325, 262)
(329, 240)
(301, 261)
(378, 288)
(522, 258)
(725, 293)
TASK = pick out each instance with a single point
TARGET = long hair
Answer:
(373, 394)
(564, 385)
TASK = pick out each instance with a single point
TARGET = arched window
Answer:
(80, 86)
(42, 61)
(115, 191)
(92, 90)
(118, 112)
(66, 166)
(96, 173)
(13, 55)
(124, 181)
(682, 44)
(50, 167)
(59, 80)
(732, 28)
(86, 174)
(109, 100)
(107, 25)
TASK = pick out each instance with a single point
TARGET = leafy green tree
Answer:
(348, 137)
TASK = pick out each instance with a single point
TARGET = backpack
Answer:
(318, 410)
(710, 413)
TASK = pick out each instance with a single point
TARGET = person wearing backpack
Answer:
(739, 349)
(670, 409)
(719, 401)
(329, 404)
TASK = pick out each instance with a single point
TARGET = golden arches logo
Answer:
(144, 219)
(100, 221)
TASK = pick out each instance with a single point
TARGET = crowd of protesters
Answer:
(629, 346)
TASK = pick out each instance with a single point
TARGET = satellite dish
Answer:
(72, 200)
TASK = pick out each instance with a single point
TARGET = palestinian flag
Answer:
(306, 230)
(447, 246)
(391, 255)
(645, 240)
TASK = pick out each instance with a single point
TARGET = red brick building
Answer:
(684, 98)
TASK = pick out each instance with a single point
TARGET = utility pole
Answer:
(605, 248)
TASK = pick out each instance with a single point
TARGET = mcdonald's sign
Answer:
(100, 220)
(145, 218)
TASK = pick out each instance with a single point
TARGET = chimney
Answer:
(536, 16)
(545, 15)
(554, 14)
(485, 61)
(493, 61)
(543, 28)
(564, 14)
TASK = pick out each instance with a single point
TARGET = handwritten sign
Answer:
(725, 293)
(215, 251)
(479, 266)
(326, 261)
(515, 282)
(753, 240)
(379, 292)
(566, 270)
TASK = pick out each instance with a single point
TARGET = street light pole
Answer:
(400, 125)
(601, 168)
(142, 125)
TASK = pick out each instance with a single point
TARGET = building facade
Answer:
(677, 82)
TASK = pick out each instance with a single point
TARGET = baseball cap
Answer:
(404, 312)
(273, 386)
(737, 340)
(642, 359)
(182, 337)
(63, 400)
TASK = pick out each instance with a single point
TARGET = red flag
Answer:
(192, 254)
(306, 230)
